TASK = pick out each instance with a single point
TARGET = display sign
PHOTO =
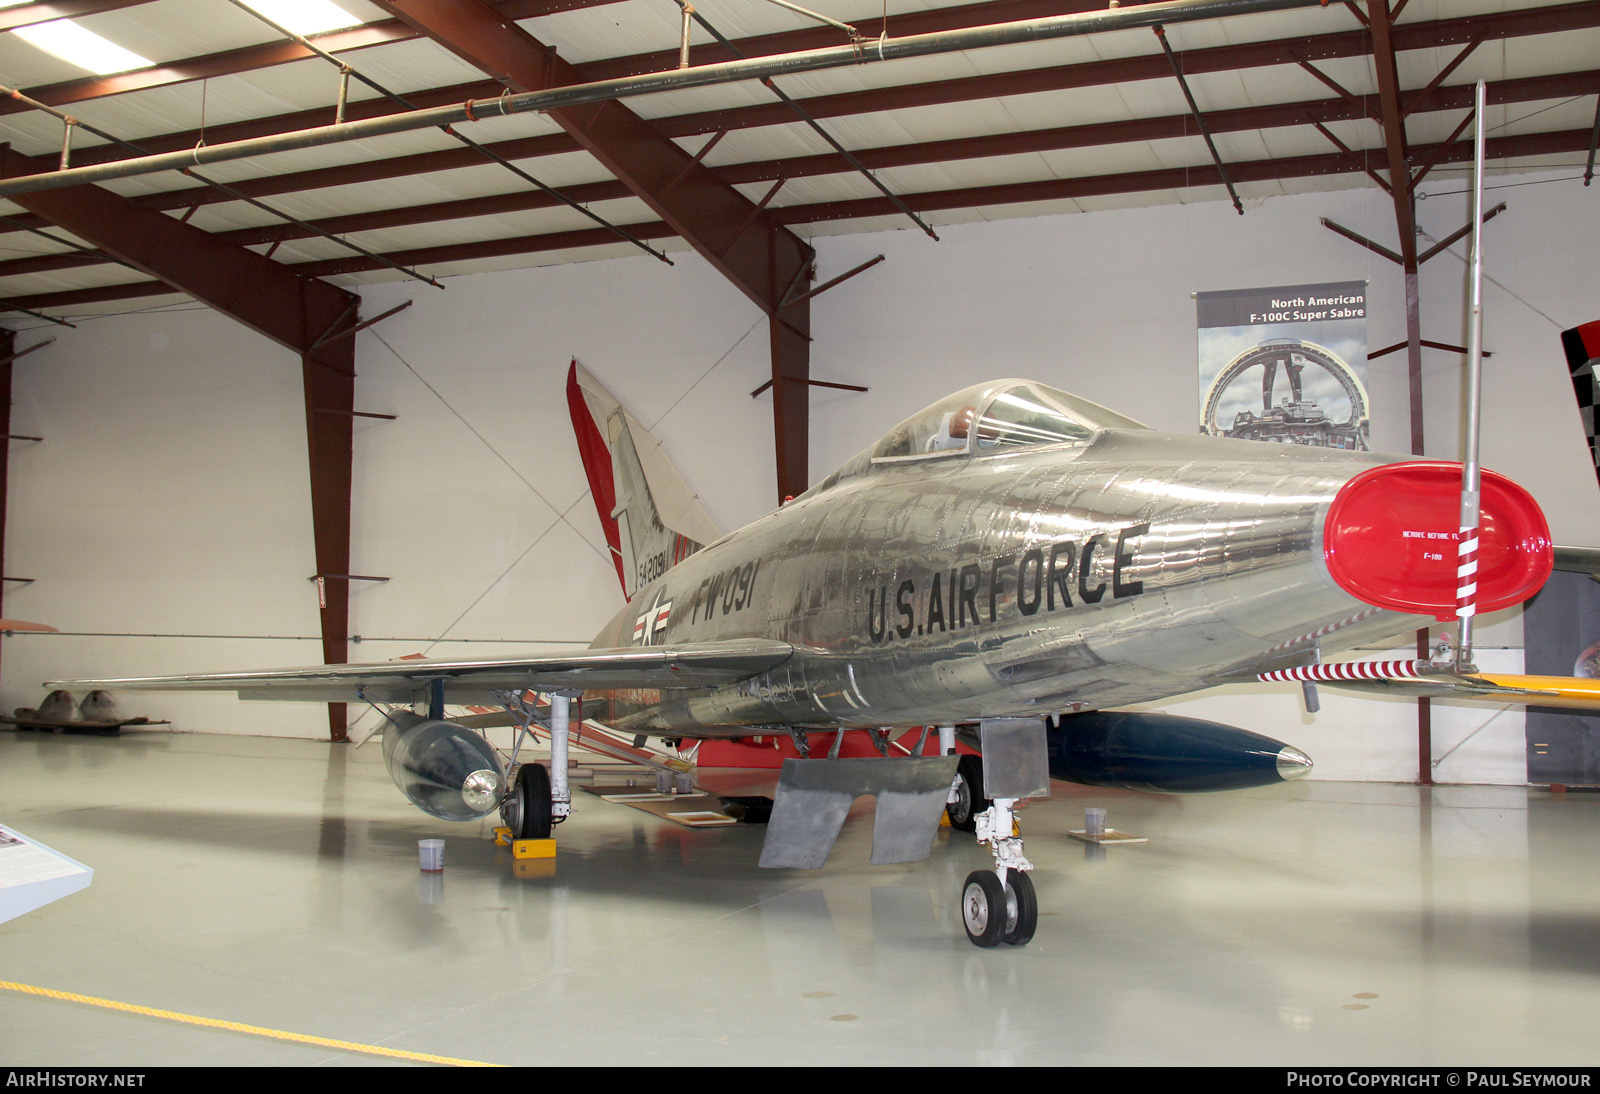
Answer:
(1286, 364)
(32, 875)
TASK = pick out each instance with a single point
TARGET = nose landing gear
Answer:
(999, 905)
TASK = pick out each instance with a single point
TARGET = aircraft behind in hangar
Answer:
(1013, 563)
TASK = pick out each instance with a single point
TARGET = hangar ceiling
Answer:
(1290, 101)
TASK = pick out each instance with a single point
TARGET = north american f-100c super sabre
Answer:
(1013, 562)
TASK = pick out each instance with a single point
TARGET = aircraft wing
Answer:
(1573, 692)
(700, 665)
(1578, 560)
(1414, 680)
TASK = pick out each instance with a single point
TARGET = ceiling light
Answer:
(72, 43)
(305, 16)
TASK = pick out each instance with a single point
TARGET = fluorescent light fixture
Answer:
(73, 44)
(305, 16)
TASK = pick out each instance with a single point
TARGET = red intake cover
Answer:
(1391, 534)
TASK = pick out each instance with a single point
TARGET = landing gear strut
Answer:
(540, 799)
(999, 905)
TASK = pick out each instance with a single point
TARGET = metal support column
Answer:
(791, 396)
(329, 379)
(8, 344)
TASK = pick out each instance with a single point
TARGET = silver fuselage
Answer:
(954, 586)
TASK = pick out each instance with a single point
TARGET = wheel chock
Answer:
(533, 848)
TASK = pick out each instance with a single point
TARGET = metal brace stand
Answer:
(1016, 765)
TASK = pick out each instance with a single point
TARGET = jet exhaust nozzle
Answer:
(444, 769)
(1168, 754)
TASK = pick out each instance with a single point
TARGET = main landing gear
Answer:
(541, 798)
(527, 809)
(999, 905)
(966, 795)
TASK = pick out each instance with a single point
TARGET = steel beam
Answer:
(1244, 119)
(8, 354)
(1539, 144)
(763, 259)
(328, 379)
(247, 58)
(589, 100)
(1402, 191)
(251, 58)
(1343, 44)
(291, 308)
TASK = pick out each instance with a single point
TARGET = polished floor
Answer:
(274, 883)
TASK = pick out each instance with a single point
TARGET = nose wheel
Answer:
(995, 911)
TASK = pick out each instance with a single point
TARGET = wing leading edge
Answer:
(1570, 692)
(1419, 679)
(706, 664)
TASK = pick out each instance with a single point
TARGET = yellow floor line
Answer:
(240, 1027)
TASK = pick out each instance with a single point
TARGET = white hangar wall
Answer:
(170, 496)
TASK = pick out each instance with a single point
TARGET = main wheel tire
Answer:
(963, 812)
(533, 802)
(1021, 899)
(983, 908)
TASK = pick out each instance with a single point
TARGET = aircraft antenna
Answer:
(1467, 542)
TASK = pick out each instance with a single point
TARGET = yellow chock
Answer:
(533, 848)
(502, 837)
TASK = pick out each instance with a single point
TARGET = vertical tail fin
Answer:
(638, 495)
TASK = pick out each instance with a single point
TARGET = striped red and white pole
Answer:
(1467, 573)
(1347, 670)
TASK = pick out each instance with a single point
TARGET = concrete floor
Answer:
(274, 883)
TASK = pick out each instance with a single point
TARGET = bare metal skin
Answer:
(989, 579)
(1007, 555)
(1010, 550)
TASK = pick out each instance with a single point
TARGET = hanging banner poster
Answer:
(1286, 364)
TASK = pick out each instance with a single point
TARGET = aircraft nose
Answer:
(1292, 763)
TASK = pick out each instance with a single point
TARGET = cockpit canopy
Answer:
(997, 416)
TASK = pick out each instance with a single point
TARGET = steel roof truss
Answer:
(763, 264)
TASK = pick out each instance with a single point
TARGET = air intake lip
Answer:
(1390, 535)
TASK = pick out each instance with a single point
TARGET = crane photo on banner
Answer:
(1286, 364)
